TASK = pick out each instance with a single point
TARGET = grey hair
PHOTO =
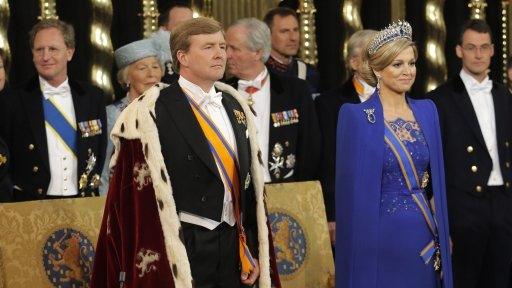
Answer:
(258, 35)
(359, 40)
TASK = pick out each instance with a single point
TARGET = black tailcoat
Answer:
(480, 216)
(23, 129)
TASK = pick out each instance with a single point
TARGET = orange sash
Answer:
(226, 161)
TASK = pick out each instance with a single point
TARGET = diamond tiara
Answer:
(394, 31)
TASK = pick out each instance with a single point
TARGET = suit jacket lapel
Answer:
(239, 130)
(81, 108)
(500, 114)
(180, 111)
(349, 91)
(464, 103)
(34, 105)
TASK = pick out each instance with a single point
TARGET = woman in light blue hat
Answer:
(140, 65)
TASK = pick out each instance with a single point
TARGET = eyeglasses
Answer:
(50, 50)
(484, 49)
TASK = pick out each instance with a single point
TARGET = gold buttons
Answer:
(469, 149)
(478, 188)
(506, 143)
(507, 184)
(474, 169)
(507, 164)
(31, 146)
(35, 169)
(40, 191)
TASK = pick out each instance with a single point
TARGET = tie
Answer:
(252, 87)
(55, 91)
(212, 99)
(481, 88)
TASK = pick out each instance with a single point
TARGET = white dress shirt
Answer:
(481, 98)
(63, 162)
(261, 105)
(211, 104)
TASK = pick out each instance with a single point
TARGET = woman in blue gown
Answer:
(392, 233)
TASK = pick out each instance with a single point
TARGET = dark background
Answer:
(127, 27)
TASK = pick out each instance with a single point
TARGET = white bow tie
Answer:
(209, 99)
(244, 84)
(484, 87)
(56, 91)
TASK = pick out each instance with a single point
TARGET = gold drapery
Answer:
(477, 9)
(397, 10)
(504, 38)
(434, 44)
(102, 54)
(149, 17)
(308, 51)
(48, 10)
(228, 11)
(4, 25)
(351, 16)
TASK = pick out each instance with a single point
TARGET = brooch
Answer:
(370, 115)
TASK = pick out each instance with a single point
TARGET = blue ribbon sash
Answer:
(60, 125)
(412, 180)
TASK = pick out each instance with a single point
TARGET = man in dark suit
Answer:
(53, 125)
(283, 23)
(354, 90)
(476, 124)
(289, 135)
(195, 143)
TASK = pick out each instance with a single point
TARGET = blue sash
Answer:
(60, 125)
(416, 189)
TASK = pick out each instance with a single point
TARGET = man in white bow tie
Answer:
(52, 124)
(286, 120)
(476, 122)
(199, 142)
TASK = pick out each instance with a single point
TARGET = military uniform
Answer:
(297, 68)
(479, 214)
(294, 134)
(23, 129)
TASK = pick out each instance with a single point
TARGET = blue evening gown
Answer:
(402, 227)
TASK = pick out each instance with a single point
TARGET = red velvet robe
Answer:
(140, 240)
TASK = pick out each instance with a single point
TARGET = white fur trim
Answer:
(140, 111)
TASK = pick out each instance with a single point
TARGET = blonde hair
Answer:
(383, 58)
(180, 36)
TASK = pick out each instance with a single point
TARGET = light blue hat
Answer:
(134, 51)
(161, 39)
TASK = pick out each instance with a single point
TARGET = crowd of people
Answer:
(416, 191)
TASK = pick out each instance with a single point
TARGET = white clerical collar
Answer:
(469, 81)
(48, 90)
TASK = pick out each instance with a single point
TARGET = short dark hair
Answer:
(278, 11)
(5, 60)
(163, 18)
(476, 25)
(68, 33)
